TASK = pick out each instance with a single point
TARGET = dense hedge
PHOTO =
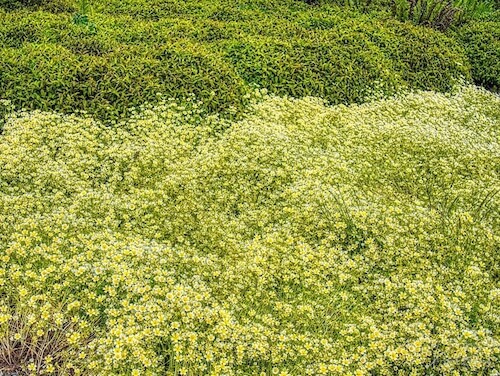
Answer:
(47, 76)
(47, 62)
(342, 57)
(339, 71)
(12, 4)
(426, 59)
(482, 45)
(55, 6)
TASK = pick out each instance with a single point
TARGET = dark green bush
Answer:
(12, 4)
(53, 77)
(481, 41)
(338, 63)
(338, 71)
(48, 62)
(425, 58)
(19, 27)
(55, 6)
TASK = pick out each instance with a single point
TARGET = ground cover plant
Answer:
(168, 208)
(482, 44)
(302, 239)
(107, 57)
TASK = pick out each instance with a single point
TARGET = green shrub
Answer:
(481, 41)
(48, 76)
(55, 6)
(341, 56)
(339, 62)
(338, 71)
(425, 58)
(12, 4)
(438, 14)
(19, 27)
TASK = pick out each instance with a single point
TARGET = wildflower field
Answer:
(303, 239)
(249, 187)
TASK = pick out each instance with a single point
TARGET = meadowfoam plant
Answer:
(301, 240)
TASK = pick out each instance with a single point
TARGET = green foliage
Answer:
(474, 9)
(319, 51)
(426, 59)
(438, 14)
(87, 76)
(82, 16)
(12, 4)
(344, 57)
(339, 70)
(55, 6)
(481, 41)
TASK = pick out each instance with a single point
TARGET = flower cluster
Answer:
(302, 239)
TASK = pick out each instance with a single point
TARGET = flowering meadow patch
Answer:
(302, 239)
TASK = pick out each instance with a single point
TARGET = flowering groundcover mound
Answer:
(302, 239)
